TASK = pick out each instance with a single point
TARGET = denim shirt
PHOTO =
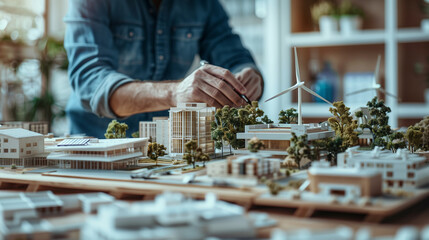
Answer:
(113, 42)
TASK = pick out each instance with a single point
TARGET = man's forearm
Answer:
(143, 96)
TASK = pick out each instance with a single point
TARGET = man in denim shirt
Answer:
(128, 59)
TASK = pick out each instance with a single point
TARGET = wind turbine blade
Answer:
(284, 92)
(298, 76)
(361, 90)
(315, 94)
(377, 70)
(387, 93)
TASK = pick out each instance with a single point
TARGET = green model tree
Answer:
(299, 148)
(343, 124)
(289, 116)
(396, 141)
(424, 127)
(414, 136)
(332, 146)
(266, 120)
(116, 129)
(155, 150)
(194, 154)
(135, 134)
(254, 145)
(378, 125)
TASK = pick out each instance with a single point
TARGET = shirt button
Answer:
(131, 34)
(159, 31)
(161, 57)
(189, 35)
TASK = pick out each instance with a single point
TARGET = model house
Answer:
(276, 137)
(22, 215)
(245, 167)
(157, 130)
(191, 121)
(38, 127)
(349, 182)
(106, 154)
(22, 148)
(171, 215)
(399, 170)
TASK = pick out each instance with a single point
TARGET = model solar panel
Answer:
(74, 142)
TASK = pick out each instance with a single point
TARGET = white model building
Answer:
(249, 168)
(21, 214)
(106, 154)
(191, 121)
(276, 137)
(21, 147)
(400, 170)
(38, 127)
(157, 130)
(349, 183)
(170, 216)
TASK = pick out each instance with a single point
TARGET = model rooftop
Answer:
(385, 155)
(100, 145)
(19, 133)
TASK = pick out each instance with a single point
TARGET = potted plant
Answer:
(425, 10)
(350, 17)
(324, 14)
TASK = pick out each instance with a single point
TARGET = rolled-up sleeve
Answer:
(93, 58)
(220, 45)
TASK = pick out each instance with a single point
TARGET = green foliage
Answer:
(13, 166)
(396, 141)
(332, 146)
(155, 150)
(135, 134)
(116, 129)
(194, 154)
(424, 127)
(230, 121)
(414, 136)
(378, 125)
(254, 144)
(299, 148)
(346, 8)
(343, 124)
(273, 187)
(289, 116)
(266, 120)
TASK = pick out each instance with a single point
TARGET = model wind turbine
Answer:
(375, 85)
(299, 85)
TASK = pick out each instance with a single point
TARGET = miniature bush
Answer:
(155, 150)
(424, 127)
(13, 166)
(254, 144)
(116, 129)
(289, 116)
(343, 124)
(299, 148)
(135, 134)
(396, 141)
(194, 154)
(414, 136)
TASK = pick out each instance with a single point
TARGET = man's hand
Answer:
(212, 85)
(252, 81)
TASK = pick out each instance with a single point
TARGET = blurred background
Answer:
(338, 43)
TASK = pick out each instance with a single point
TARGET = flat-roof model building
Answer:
(399, 170)
(22, 214)
(22, 148)
(250, 168)
(170, 215)
(276, 137)
(106, 154)
(347, 182)
(191, 121)
(157, 130)
(38, 127)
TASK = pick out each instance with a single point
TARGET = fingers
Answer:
(226, 75)
(202, 96)
(253, 87)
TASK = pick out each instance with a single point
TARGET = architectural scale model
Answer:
(22, 148)
(399, 170)
(247, 169)
(170, 215)
(158, 130)
(105, 154)
(38, 127)
(191, 121)
(22, 214)
(276, 137)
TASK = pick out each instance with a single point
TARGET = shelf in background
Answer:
(412, 35)
(315, 39)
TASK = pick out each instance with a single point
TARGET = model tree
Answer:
(194, 154)
(299, 148)
(414, 136)
(424, 127)
(378, 125)
(343, 124)
(254, 145)
(332, 146)
(396, 141)
(289, 116)
(200, 156)
(116, 129)
(155, 150)
(266, 120)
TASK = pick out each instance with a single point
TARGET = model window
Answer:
(389, 165)
(410, 175)
(13, 150)
(6, 150)
(22, 150)
(35, 144)
(5, 140)
(28, 145)
(370, 164)
(28, 152)
(389, 174)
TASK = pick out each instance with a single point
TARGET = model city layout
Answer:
(349, 159)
